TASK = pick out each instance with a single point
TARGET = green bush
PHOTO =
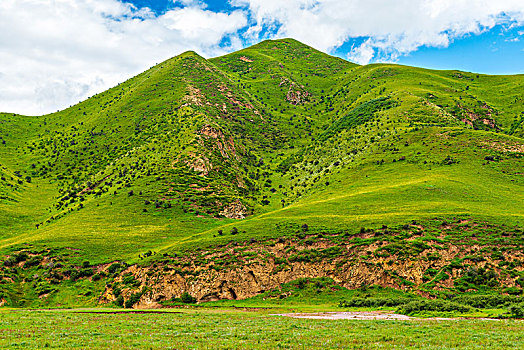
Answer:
(486, 301)
(187, 298)
(113, 268)
(133, 299)
(432, 305)
(129, 280)
(119, 301)
(516, 311)
(117, 292)
(34, 261)
(374, 302)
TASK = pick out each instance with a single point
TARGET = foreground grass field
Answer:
(227, 329)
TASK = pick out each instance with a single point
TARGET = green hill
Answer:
(276, 144)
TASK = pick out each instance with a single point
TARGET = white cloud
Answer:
(392, 28)
(54, 53)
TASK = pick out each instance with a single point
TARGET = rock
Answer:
(235, 210)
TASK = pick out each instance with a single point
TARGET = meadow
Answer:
(226, 329)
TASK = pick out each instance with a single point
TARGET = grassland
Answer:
(190, 329)
(259, 143)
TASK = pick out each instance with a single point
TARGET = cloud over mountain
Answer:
(389, 28)
(55, 53)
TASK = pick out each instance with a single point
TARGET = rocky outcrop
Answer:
(239, 272)
(245, 59)
(234, 210)
(296, 97)
(200, 165)
(296, 93)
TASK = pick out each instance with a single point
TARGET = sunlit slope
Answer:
(159, 141)
(278, 134)
(449, 179)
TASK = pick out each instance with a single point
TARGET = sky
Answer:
(55, 53)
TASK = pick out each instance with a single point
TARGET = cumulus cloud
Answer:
(390, 28)
(54, 53)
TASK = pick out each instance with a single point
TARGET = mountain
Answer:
(230, 176)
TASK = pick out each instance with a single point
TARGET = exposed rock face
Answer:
(485, 118)
(209, 131)
(296, 93)
(240, 272)
(245, 59)
(235, 210)
(194, 96)
(200, 165)
(225, 145)
(296, 97)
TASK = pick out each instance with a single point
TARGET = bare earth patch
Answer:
(369, 315)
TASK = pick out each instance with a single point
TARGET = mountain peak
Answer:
(277, 145)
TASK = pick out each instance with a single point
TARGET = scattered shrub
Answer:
(119, 301)
(374, 302)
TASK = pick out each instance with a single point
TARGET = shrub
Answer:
(119, 301)
(513, 291)
(34, 261)
(85, 273)
(113, 268)
(486, 301)
(374, 302)
(9, 261)
(516, 311)
(133, 299)
(129, 279)
(117, 292)
(481, 276)
(187, 298)
(432, 305)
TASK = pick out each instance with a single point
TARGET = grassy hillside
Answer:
(259, 143)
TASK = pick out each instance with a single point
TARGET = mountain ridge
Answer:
(275, 140)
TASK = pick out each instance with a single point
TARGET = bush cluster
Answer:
(461, 303)
(432, 305)
(374, 302)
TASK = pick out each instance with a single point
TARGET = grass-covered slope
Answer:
(259, 143)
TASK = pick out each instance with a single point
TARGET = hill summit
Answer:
(207, 174)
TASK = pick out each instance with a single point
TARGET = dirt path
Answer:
(370, 315)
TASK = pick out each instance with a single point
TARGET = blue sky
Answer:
(495, 50)
(56, 53)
